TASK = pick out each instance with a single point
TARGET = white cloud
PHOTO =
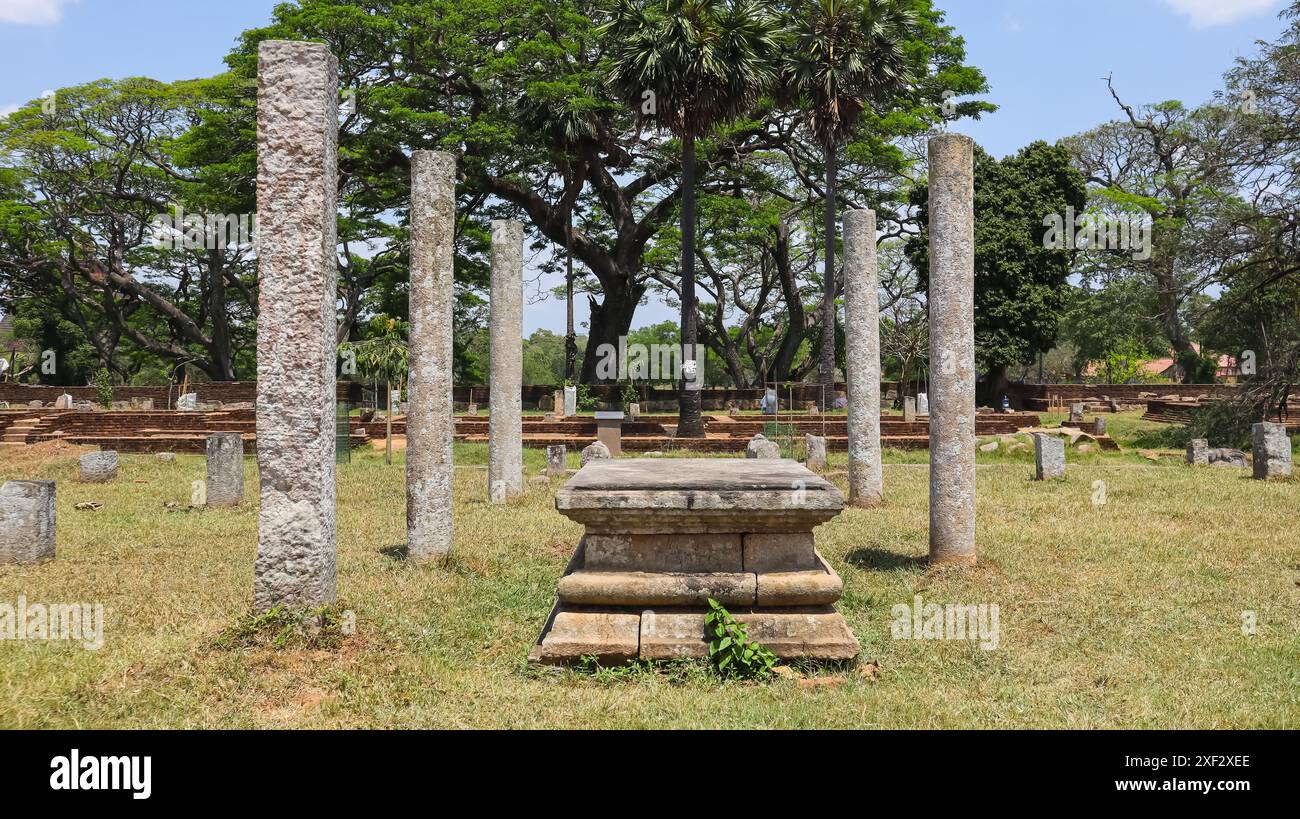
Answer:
(32, 12)
(1208, 13)
(6, 110)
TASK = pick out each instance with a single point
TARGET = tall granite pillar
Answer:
(952, 349)
(225, 469)
(505, 424)
(297, 189)
(430, 419)
(862, 357)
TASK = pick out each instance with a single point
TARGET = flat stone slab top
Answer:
(698, 495)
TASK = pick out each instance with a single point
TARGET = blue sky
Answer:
(1045, 59)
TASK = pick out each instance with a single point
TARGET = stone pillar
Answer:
(1270, 451)
(27, 518)
(225, 469)
(556, 463)
(862, 354)
(570, 402)
(952, 349)
(297, 346)
(505, 421)
(909, 409)
(1198, 452)
(1049, 457)
(98, 467)
(1098, 426)
(816, 460)
(430, 421)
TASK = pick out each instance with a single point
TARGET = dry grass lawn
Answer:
(1127, 614)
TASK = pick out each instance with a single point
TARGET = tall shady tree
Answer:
(844, 55)
(688, 66)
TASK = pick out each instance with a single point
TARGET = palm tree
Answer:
(383, 357)
(688, 66)
(844, 54)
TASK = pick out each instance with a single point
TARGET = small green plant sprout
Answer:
(629, 394)
(104, 387)
(731, 650)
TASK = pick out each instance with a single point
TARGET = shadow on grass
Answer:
(400, 553)
(884, 561)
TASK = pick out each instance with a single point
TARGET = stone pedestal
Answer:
(663, 536)
(609, 431)
(1270, 451)
(27, 522)
(225, 469)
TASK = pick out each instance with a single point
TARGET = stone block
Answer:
(761, 448)
(596, 451)
(1270, 452)
(610, 637)
(98, 467)
(556, 463)
(816, 587)
(27, 522)
(1198, 452)
(816, 446)
(225, 469)
(1049, 457)
(665, 553)
(783, 552)
(589, 588)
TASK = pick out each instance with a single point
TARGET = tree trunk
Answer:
(826, 369)
(570, 336)
(795, 322)
(989, 392)
(690, 423)
(610, 320)
(223, 366)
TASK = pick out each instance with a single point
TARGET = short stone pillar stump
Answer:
(609, 431)
(27, 522)
(664, 536)
(98, 467)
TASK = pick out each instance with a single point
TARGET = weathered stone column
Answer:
(225, 469)
(297, 348)
(1049, 457)
(952, 349)
(862, 357)
(505, 423)
(1270, 451)
(430, 419)
(556, 465)
(27, 522)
